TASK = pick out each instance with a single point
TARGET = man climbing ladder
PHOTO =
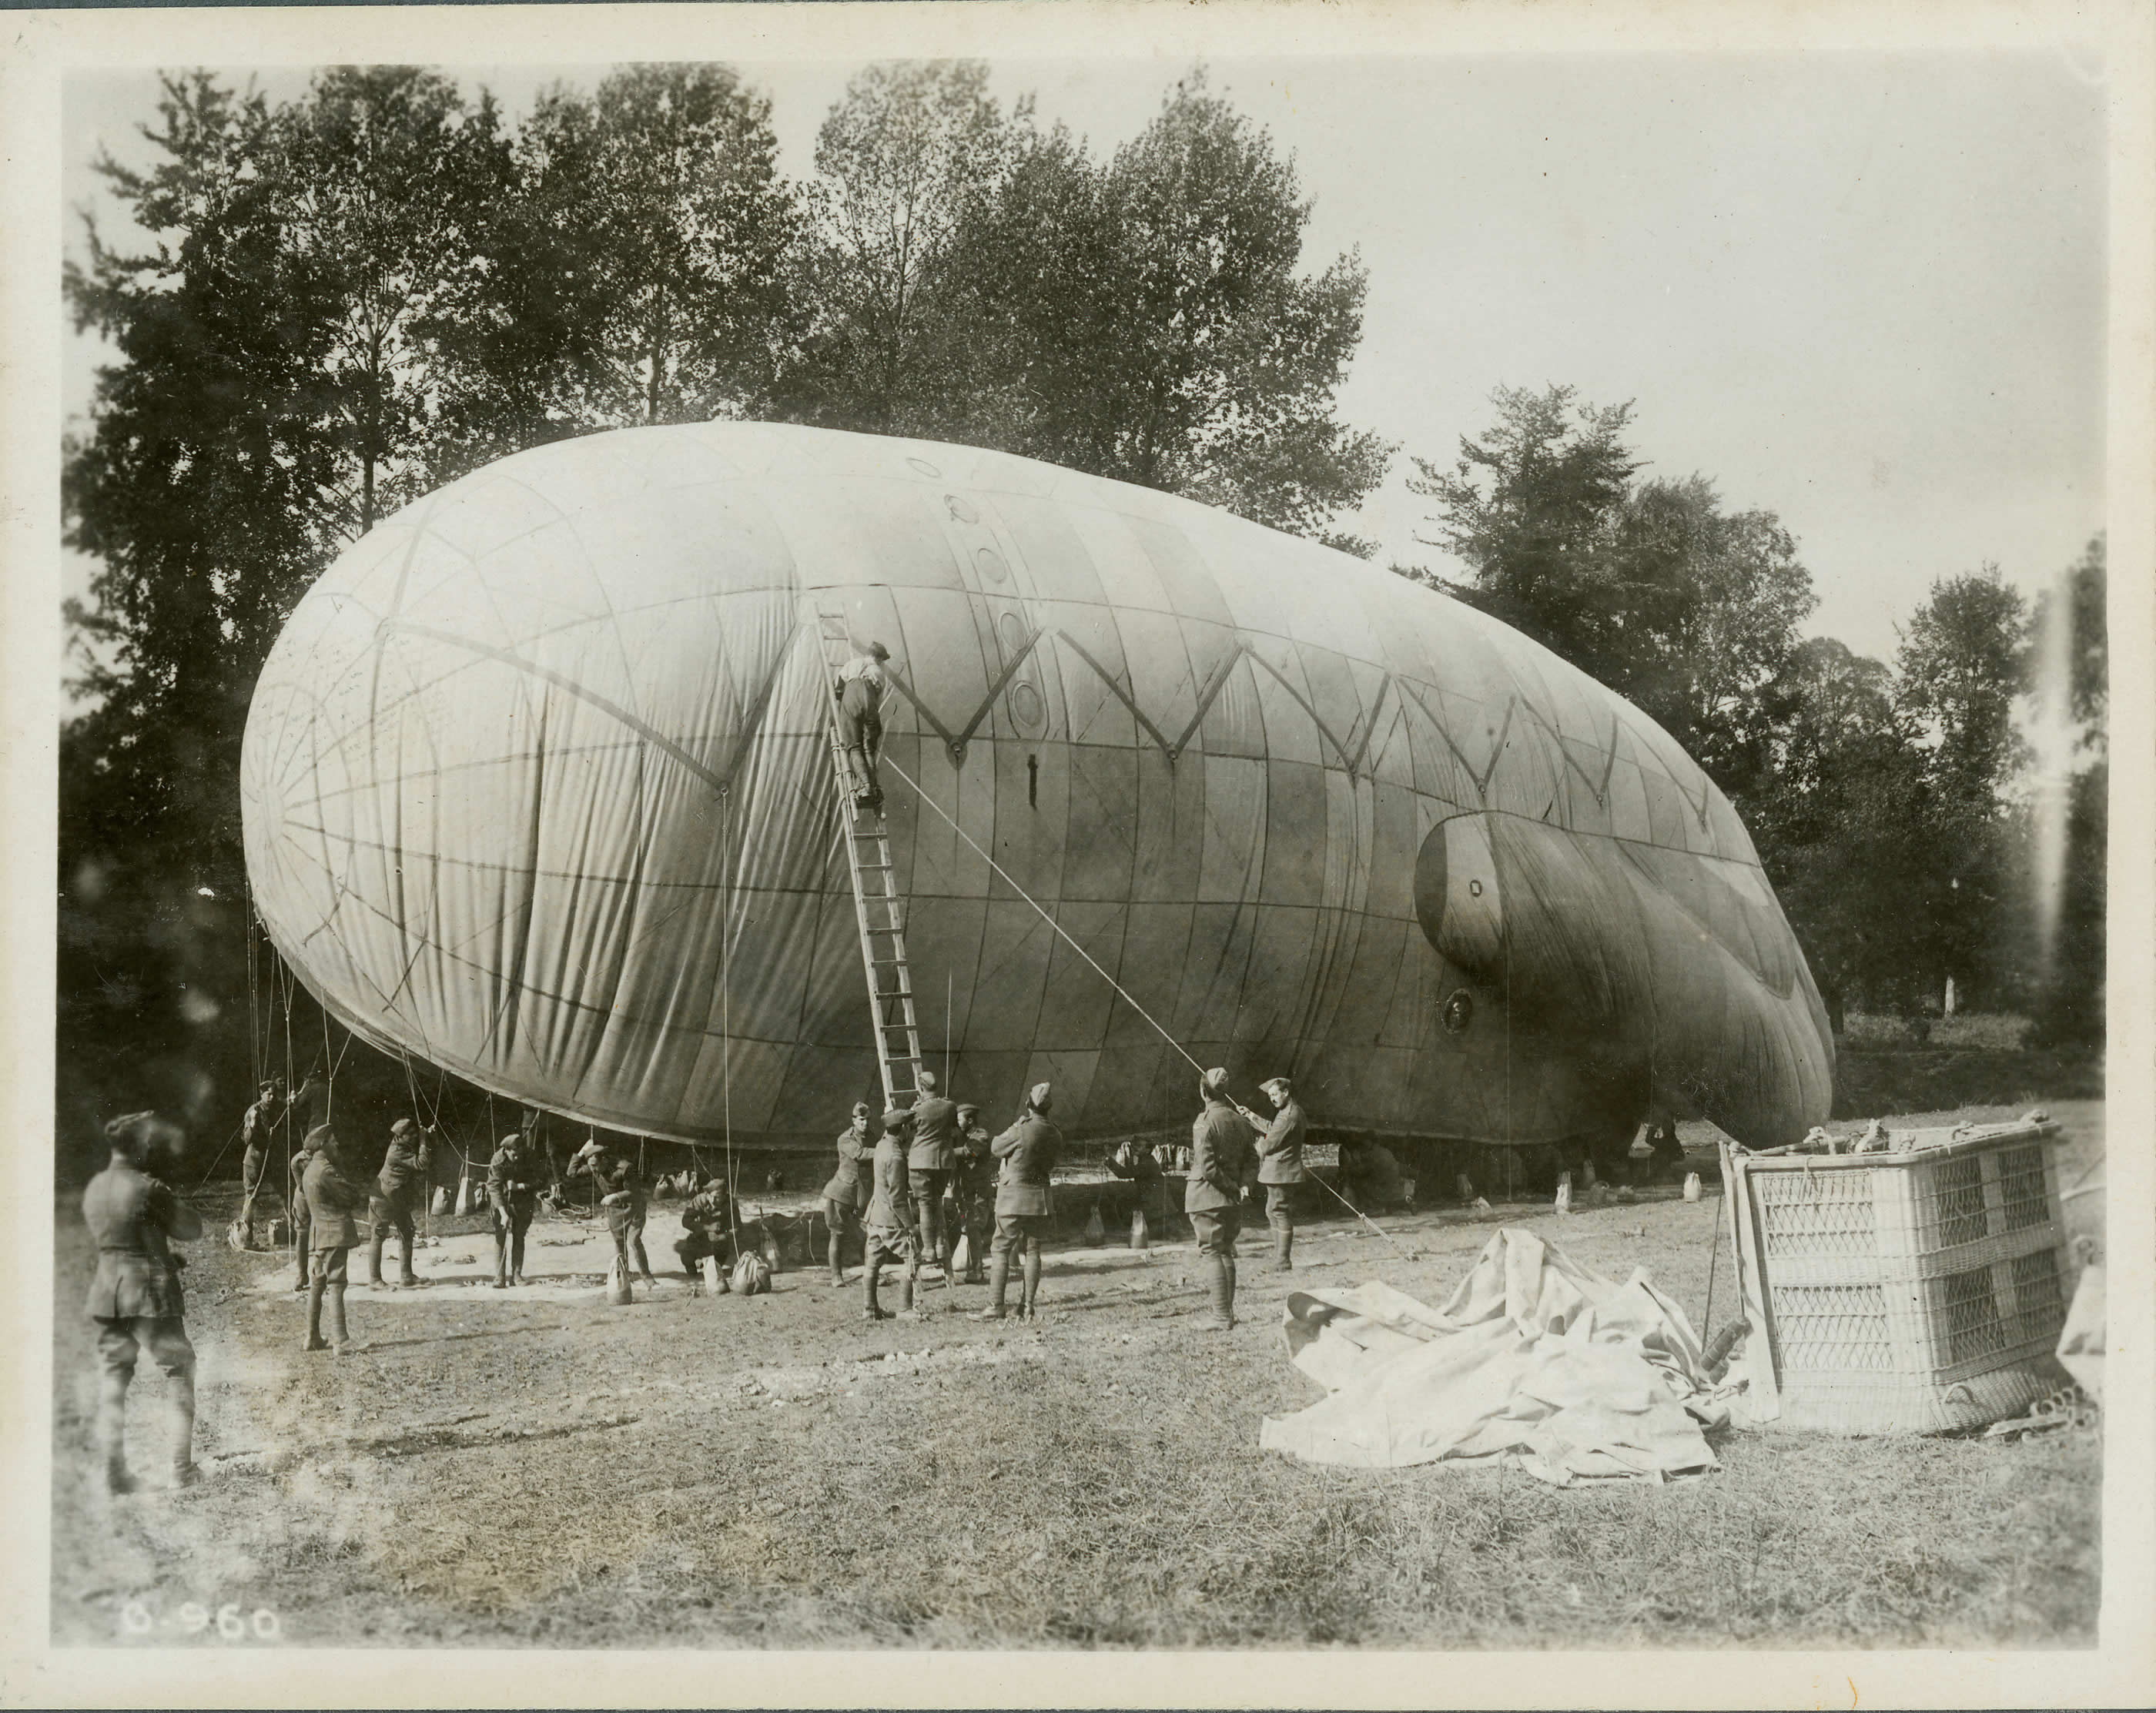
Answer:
(858, 690)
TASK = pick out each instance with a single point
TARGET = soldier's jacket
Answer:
(846, 1184)
(408, 1162)
(1279, 1149)
(973, 1168)
(298, 1179)
(1027, 1150)
(935, 1134)
(614, 1172)
(130, 1214)
(889, 1205)
(261, 1118)
(332, 1200)
(1220, 1155)
(513, 1180)
(709, 1212)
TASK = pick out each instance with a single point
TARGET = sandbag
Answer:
(618, 1292)
(1096, 1232)
(1141, 1237)
(751, 1275)
(961, 1253)
(440, 1203)
(715, 1276)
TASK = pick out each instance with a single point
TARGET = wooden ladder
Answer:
(879, 912)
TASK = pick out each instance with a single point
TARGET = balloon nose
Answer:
(1456, 895)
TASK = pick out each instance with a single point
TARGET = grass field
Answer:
(774, 1471)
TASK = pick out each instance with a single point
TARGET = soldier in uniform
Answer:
(973, 1195)
(928, 1164)
(255, 1137)
(621, 1192)
(134, 1298)
(400, 1192)
(707, 1228)
(889, 1229)
(858, 690)
(1280, 1169)
(303, 1156)
(336, 1192)
(514, 1177)
(1219, 1161)
(1028, 1151)
(844, 1195)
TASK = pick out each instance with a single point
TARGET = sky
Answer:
(1865, 292)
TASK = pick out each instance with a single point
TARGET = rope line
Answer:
(1005, 875)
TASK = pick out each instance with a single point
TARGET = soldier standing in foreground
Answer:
(928, 1164)
(842, 1195)
(1281, 1170)
(1219, 1159)
(973, 1195)
(134, 1298)
(858, 691)
(254, 1135)
(1027, 1150)
(334, 1192)
(513, 1181)
(890, 1225)
(401, 1182)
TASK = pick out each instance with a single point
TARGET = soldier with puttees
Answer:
(972, 1193)
(1028, 1151)
(890, 1225)
(135, 1299)
(256, 1139)
(1219, 1161)
(858, 690)
(1280, 1169)
(622, 1196)
(336, 1193)
(845, 1194)
(928, 1165)
(707, 1229)
(400, 1195)
(514, 1178)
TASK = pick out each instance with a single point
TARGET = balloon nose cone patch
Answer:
(1456, 893)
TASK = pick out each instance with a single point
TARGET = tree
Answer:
(907, 154)
(379, 174)
(1961, 663)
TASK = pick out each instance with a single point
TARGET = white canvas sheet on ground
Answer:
(1534, 1357)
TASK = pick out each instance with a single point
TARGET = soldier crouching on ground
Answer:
(707, 1229)
(843, 1195)
(890, 1225)
(513, 1182)
(621, 1194)
(134, 1298)
(335, 1193)
(1280, 1169)
(1027, 1150)
(400, 1191)
(1219, 1159)
(973, 1195)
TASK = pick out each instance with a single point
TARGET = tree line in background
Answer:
(335, 304)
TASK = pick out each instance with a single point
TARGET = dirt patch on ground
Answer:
(495, 1468)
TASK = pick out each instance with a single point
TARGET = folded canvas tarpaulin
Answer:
(1535, 1359)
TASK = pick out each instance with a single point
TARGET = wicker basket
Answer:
(1914, 1292)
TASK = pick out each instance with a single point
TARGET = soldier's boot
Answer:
(976, 1272)
(181, 1403)
(1283, 1246)
(112, 1431)
(1220, 1287)
(339, 1337)
(871, 1277)
(998, 1283)
(1031, 1299)
(502, 1260)
(516, 1258)
(838, 1272)
(642, 1261)
(405, 1276)
(300, 1278)
(316, 1288)
(374, 1260)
